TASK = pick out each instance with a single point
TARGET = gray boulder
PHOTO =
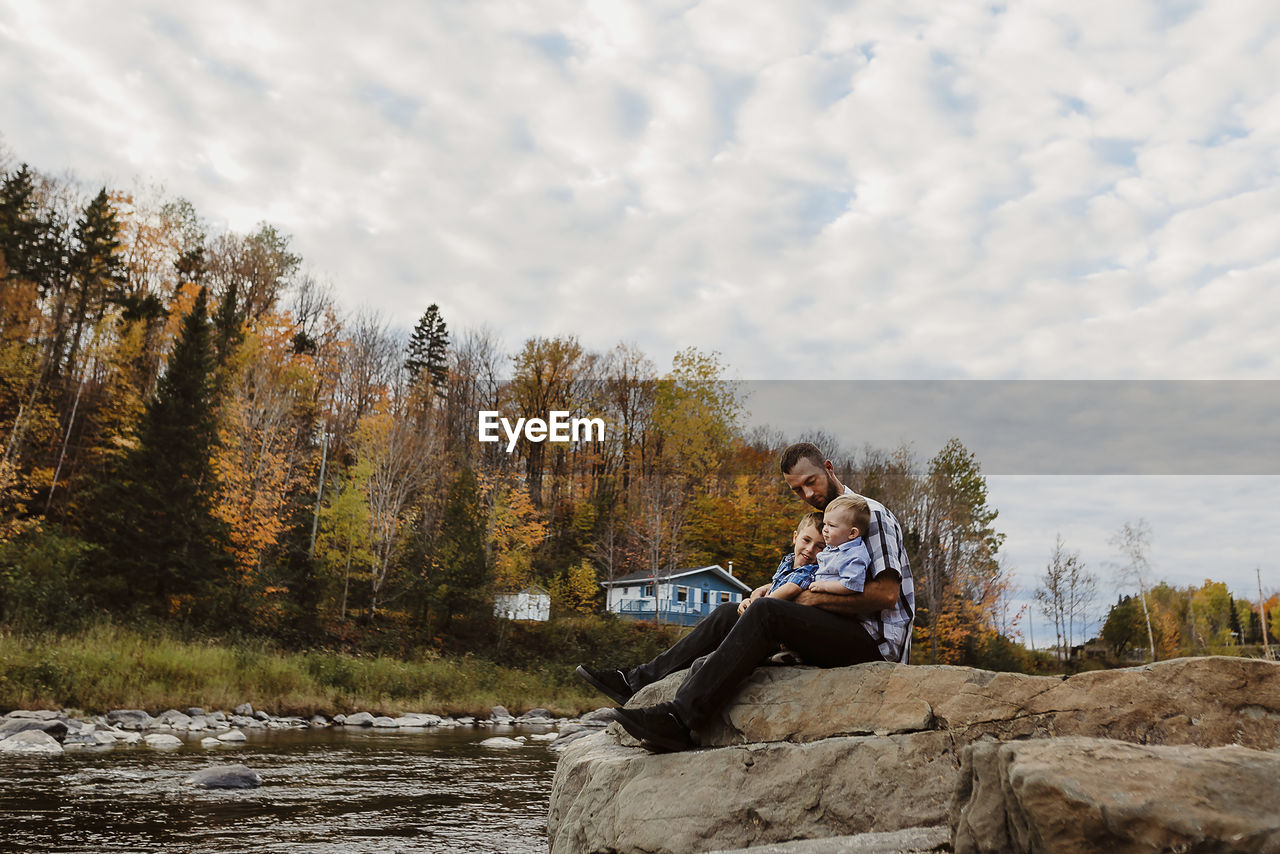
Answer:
(1083, 794)
(195, 712)
(174, 719)
(603, 716)
(875, 748)
(35, 714)
(232, 736)
(359, 719)
(162, 741)
(30, 742)
(55, 728)
(244, 710)
(384, 722)
(133, 719)
(225, 777)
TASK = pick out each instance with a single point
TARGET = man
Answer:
(824, 629)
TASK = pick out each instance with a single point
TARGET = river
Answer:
(323, 790)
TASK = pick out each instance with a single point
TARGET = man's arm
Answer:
(879, 594)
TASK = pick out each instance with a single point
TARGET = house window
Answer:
(724, 598)
(648, 590)
(682, 594)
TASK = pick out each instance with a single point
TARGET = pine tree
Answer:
(96, 267)
(458, 571)
(428, 348)
(159, 541)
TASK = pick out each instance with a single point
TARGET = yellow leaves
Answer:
(577, 589)
(256, 462)
(514, 532)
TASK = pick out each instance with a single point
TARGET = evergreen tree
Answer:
(96, 268)
(458, 571)
(1233, 616)
(428, 348)
(160, 543)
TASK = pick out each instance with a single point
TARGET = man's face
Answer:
(816, 485)
(808, 542)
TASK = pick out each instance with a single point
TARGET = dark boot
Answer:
(658, 727)
(612, 683)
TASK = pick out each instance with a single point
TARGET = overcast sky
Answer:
(887, 190)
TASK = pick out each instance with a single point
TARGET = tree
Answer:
(95, 265)
(1123, 625)
(458, 570)
(153, 521)
(1134, 541)
(397, 457)
(426, 357)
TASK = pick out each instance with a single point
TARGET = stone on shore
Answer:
(232, 736)
(225, 777)
(384, 722)
(244, 710)
(162, 741)
(359, 719)
(30, 742)
(132, 719)
(53, 727)
(211, 742)
(1087, 794)
(875, 747)
(174, 719)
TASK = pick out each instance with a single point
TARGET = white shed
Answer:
(531, 603)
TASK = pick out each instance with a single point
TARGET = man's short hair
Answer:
(801, 451)
(813, 518)
(857, 506)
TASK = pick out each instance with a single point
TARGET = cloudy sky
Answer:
(869, 190)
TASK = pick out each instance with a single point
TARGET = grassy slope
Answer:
(110, 667)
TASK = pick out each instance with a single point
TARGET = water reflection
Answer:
(324, 790)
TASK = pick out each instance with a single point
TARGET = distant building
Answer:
(532, 603)
(682, 596)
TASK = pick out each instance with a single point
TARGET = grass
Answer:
(113, 667)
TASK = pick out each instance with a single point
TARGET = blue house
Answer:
(681, 596)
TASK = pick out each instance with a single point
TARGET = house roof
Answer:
(714, 569)
(535, 589)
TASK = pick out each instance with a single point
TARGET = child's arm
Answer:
(790, 590)
(829, 586)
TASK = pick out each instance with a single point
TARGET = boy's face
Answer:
(838, 527)
(808, 542)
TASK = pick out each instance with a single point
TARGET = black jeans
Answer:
(734, 645)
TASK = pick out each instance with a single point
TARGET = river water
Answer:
(323, 790)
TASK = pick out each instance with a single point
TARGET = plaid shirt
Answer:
(787, 572)
(892, 626)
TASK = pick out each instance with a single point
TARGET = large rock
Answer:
(608, 797)
(913, 840)
(359, 719)
(1083, 794)
(55, 728)
(134, 719)
(31, 742)
(895, 731)
(1202, 701)
(225, 777)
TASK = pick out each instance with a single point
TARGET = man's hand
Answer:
(879, 594)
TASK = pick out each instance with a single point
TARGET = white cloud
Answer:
(908, 190)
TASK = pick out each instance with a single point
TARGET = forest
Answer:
(196, 436)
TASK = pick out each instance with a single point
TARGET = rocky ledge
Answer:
(52, 732)
(819, 754)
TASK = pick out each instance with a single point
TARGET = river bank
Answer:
(110, 667)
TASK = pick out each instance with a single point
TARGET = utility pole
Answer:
(1262, 615)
